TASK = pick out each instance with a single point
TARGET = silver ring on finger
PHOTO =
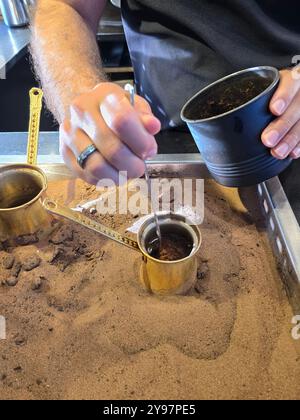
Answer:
(83, 157)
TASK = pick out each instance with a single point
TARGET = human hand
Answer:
(283, 134)
(123, 135)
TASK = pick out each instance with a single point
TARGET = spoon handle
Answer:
(36, 97)
(58, 210)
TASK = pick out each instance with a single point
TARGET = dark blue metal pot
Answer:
(230, 143)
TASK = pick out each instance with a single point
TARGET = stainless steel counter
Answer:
(13, 44)
(13, 148)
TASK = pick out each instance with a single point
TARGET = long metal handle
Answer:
(36, 97)
(54, 208)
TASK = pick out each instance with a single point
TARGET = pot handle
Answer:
(36, 97)
(58, 210)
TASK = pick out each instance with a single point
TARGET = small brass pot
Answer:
(169, 277)
(22, 189)
(156, 276)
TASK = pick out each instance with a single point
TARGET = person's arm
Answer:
(283, 135)
(90, 110)
(65, 50)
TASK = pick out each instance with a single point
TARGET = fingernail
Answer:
(151, 154)
(123, 179)
(282, 150)
(271, 138)
(279, 106)
(112, 103)
(109, 108)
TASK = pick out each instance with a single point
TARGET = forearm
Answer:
(65, 55)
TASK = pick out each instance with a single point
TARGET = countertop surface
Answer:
(13, 43)
(13, 146)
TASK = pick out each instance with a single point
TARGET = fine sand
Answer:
(79, 326)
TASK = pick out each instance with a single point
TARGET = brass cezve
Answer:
(23, 186)
(158, 277)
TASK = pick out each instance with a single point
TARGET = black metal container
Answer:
(227, 124)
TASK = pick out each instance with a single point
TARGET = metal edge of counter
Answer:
(284, 235)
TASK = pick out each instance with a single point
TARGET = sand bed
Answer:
(80, 326)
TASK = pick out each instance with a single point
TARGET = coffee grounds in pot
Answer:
(225, 98)
(173, 247)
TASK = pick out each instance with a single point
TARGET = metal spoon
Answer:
(156, 243)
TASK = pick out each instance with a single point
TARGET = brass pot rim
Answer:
(170, 214)
(33, 168)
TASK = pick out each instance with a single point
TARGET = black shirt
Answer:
(179, 46)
